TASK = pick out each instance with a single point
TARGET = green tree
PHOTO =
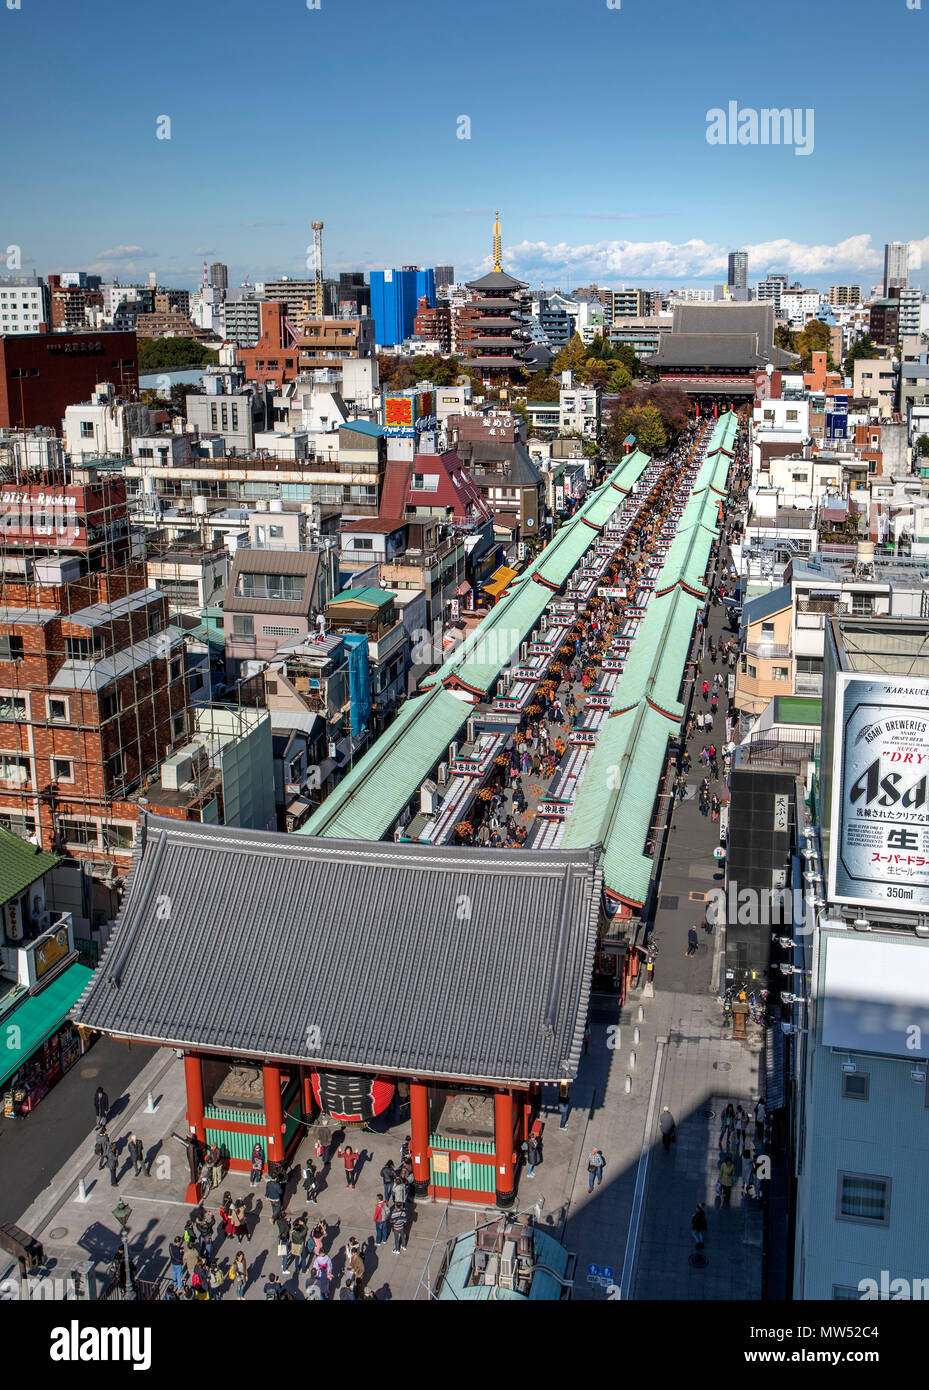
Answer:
(571, 358)
(619, 378)
(644, 421)
(783, 338)
(815, 337)
(542, 388)
(922, 446)
(863, 347)
(173, 354)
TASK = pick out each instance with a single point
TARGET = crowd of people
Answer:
(306, 1244)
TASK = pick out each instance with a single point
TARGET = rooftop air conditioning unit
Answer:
(452, 752)
(470, 730)
(442, 774)
(523, 651)
(543, 624)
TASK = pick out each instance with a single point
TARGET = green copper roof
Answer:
(21, 864)
(365, 805)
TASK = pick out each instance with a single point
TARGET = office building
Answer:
(896, 266)
(24, 304)
(737, 280)
(395, 295)
(42, 374)
(844, 294)
(219, 276)
(772, 287)
(444, 276)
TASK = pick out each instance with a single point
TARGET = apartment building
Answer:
(273, 597)
(24, 304)
(94, 682)
(875, 379)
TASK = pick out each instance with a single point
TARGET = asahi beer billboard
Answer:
(880, 821)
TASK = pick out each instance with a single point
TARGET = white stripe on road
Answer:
(638, 1199)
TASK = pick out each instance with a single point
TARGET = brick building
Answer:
(93, 682)
(433, 324)
(41, 374)
(274, 357)
(68, 303)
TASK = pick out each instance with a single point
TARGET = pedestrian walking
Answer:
(101, 1107)
(698, 1226)
(299, 1242)
(322, 1269)
(239, 1274)
(533, 1155)
(111, 1164)
(274, 1193)
(399, 1222)
(726, 1179)
(102, 1147)
(693, 942)
(318, 1236)
(136, 1153)
(595, 1166)
(705, 689)
(321, 1145)
(226, 1215)
(381, 1219)
(205, 1225)
(727, 1123)
(310, 1181)
(241, 1223)
(741, 1126)
(564, 1103)
(176, 1256)
(350, 1159)
(748, 1171)
(668, 1128)
(258, 1164)
(356, 1269)
(283, 1242)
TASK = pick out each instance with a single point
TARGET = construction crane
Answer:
(318, 249)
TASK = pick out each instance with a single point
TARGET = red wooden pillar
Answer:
(419, 1133)
(274, 1113)
(193, 1078)
(503, 1146)
(309, 1101)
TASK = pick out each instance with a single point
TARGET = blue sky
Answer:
(587, 129)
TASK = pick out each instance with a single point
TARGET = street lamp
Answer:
(122, 1211)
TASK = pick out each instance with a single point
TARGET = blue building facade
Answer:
(394, 298)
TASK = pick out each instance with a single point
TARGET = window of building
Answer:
(87, 429)
(178, 726)
(14, 768)
(363, 543)
(11, 647)
(115, 767)
(862, 605)
(288, 587)
(780, 673)
(767, 632)
(855, 1085)
(270, 687)
(12, 707)
(19, 825)
(177, 669)
(79, 832)
(62, 769)
(751, 670)
(863, 1197)
(118, 836)
(243, 625)
(109, 704)
(276, 533)
(425, 482)
(272, 631)
(235, 416)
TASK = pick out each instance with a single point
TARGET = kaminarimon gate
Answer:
(300, 976)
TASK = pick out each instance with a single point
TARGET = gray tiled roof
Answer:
(261, 561)
(430, 962)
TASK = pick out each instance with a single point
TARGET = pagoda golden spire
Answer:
(498, 242)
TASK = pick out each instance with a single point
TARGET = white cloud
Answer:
(124, 253)
(693, 259)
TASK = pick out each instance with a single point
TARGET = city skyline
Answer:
(435, 193)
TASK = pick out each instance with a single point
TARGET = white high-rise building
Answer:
(23, 304)
(896, 266)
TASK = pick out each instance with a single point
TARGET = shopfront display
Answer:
(45, 1043)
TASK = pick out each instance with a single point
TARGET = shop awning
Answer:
(499, 580)
(40, 1015)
